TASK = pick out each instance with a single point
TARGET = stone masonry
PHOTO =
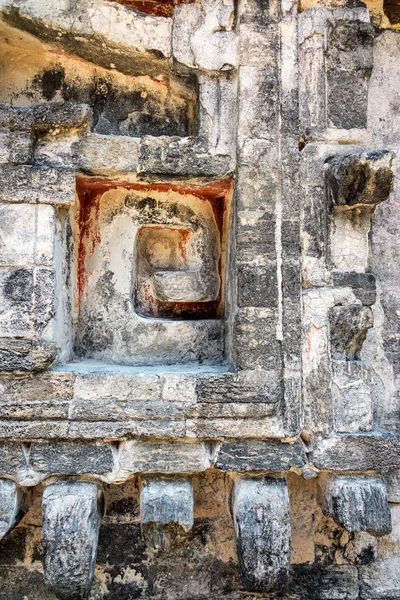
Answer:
(199, 300)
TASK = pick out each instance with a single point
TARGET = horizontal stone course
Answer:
(259, 455)
(71, 458)
(357, 452)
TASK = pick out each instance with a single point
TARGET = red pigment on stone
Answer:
(90, 190)
(158, 8)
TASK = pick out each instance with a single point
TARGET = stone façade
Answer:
(198, 301)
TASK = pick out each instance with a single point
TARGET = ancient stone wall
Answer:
(199, 299)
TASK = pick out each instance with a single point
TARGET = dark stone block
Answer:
(364, 179)
(313, 582)
(72, 512)
(71, 458)
(13, 547)
(261, 515)
(121, 544)
(26, 355)
(349, 327)
(257, 285)
(363, 285)
(357, 452)
(17, 583)
(359, 504)
(259, 455)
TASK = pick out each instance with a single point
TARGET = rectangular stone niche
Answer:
(149, 265)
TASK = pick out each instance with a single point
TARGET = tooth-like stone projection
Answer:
(358, 503)
(261, 515)
(357, 180)
(72, 512)
(164, 501)
(12, 506)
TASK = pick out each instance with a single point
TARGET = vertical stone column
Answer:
(72, 512)
(261, 515)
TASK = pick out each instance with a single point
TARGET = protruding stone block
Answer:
(349, 327)
(358, 503)
(164, 501)
(24, 355)
(72, 512)
(356, 180)
(12, 506)
(261, 515)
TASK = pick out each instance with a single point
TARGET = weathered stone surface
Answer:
(351, 396)
(96, 153)
(72, 513)
(71, 458)
(257, 455)
(26, 355)
(357, 452)
(46, 185)
(392, 481)
(316, 582)
(165, 501)
(163, 457)
(362, 284)
(123, 388)
(15, 146)
(12, 459)
(381, 580)
(247, 386)
(261, 514)
(348, 329)
(27, 234)
(42, 118)
(360, 179)
(12, 506)
(358, 503)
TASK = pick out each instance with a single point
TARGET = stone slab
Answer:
(259, 455)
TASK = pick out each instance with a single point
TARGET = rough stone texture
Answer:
(360, 179)
(165, 501)
(352, 397)
(12, 506)
(348, 329)
(254, 455)
(357, 452)
(26, 355)
(358, 503)
(260, 508)
(72, 512)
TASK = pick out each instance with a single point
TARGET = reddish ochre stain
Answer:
(90, 190)
(159, 8)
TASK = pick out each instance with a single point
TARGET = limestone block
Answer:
(357, 452)
(201, 36)
(15, 146)
(45, 118)
(236, 428)
(27, 298)
(12, 459)
(258, 385)
(181, 156)
(118, 387)
(165, 501)
(392, 480)
(217, 112)
(21, 355)
(72, 512)
(94, 153)
(71, 458)
(46, 185)
(381, 580)
(27, 234)
(12, 506)
(348, 329)
(259, 455)
(352, 399)
(357, 180)
(358, 503)
(362, 284)
(261, 515)
(335, 63)
(163, 457)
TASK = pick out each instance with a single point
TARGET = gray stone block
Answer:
(12, 459)
(72, 512)
(247, 386)
(261, 515)
(46, 185)
(163, 457)
(259, 455)
(357, 452)
(351, 396)
(71, 458)
(21, 355)
(381, 580)
(358, 503)
(165, 501)
(13, 505)
(362, 284)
